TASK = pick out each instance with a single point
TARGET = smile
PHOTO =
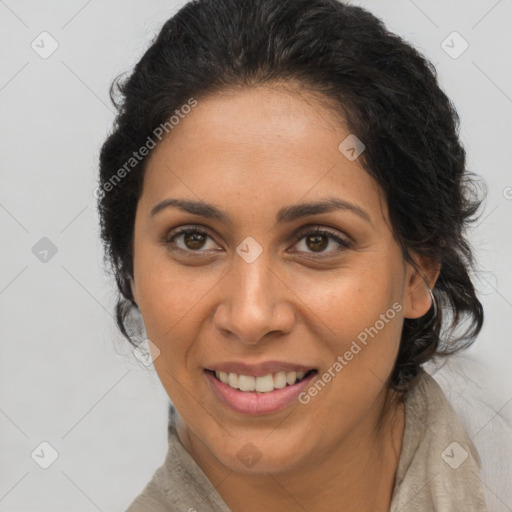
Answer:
(261, 384)
(263, 394)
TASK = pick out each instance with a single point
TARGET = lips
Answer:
(250, 402)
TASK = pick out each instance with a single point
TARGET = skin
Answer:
(251, 152)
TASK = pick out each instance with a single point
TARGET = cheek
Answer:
(171, 298)
(356, 316)
(345, 303)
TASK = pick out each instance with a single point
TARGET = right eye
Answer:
(192, 240)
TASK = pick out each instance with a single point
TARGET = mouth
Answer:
(258, 395)
(263, 383)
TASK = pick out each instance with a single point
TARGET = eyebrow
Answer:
(285, 214)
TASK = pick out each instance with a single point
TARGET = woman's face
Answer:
(258, 288)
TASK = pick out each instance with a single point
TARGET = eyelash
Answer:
(332, 235)
(345, 244)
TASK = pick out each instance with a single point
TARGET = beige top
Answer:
(438, 469)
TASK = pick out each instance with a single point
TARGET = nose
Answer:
(255, 303)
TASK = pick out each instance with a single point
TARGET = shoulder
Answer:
(482, 400)
(439, 464)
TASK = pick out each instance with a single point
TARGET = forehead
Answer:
(258, 145)
(246, 115)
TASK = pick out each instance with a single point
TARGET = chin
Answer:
(264, 453)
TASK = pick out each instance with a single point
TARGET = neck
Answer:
(358, 473)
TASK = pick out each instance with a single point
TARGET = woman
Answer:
(283, 198)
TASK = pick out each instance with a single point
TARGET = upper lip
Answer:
(258, 370)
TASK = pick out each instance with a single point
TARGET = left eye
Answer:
(193, 240)
(318, 239)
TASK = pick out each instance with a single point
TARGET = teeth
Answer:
(263, 384)
(291, 377)
(246, 383)
(280, 380)
(232, 380)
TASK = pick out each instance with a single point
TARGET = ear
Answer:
(417, 301)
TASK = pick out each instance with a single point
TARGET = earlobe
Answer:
(419, 298)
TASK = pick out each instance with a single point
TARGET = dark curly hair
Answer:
(384, 89)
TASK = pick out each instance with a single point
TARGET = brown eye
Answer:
(188, 240)
(317, 240)
(194, 240)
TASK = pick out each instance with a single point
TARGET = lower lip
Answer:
(257, 403)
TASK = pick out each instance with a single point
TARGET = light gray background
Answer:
(66, 375)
